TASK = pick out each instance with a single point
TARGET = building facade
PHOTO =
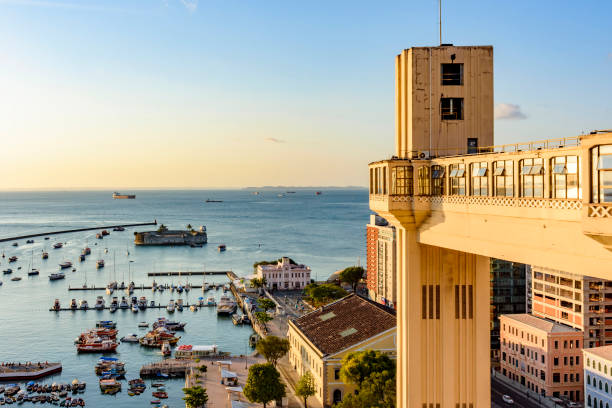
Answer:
(578, 301)
(507, 297)
(381, 261)
(320, 339)
(284, 275)
(542, 355)
(598, 377)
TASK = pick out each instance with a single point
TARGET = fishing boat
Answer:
(142, 303)
(100, 303)
(100, 263)
(73, 304)
(110, 386)
(130, 338)
(221, 247)
(86, 251)
(16, 278)
(57, 276)
(56, 305)
(45, 255)
(211, 301)
(65, 265)
(160, 394)
(83, 305)
(166, 350)
(106, 324)
(110, 367)
(170, 307)
(97, 345)
(124, 304)
(134, 308)
(155, 338)
(58, 245)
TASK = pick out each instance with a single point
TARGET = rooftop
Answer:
(541, 324)
(345, 322)
(604, 352)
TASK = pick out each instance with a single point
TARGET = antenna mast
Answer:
(440, 18)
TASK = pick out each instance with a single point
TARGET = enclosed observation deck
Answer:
(521, 202)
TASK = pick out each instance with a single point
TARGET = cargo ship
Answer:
(117, 195)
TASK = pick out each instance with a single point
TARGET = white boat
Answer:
(205, 287)
(170, 307)
(211, 301)
(226, 305)
(143, 325)
(114, 305)
(130, 338)
(135, 308)
(65, 265)
(124, 304)
(100, 303)
(73, 304)
(83, 304)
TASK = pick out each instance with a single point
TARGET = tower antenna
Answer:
(440, 18)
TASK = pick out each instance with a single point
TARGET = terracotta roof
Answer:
(345, 322)
(548, 326)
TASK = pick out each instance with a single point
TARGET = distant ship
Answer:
(117, 195)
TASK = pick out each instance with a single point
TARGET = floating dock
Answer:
(186, 307)
(101, 227)
(137, 287)
(27, 371)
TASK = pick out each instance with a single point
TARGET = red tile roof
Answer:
(345, 322)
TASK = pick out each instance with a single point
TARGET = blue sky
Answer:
(236, 93)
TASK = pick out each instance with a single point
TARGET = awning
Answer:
(228, 374)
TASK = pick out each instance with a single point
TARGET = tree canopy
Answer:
(195, 397)
(256, 264)
(258, 282)
(263, 384)
(358, 366)
(305, 387)
(266, 304)
(322, 294)
(273, 348)
(352, 275)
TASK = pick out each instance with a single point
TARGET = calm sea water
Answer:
(326, 232)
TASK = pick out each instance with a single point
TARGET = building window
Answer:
(401, 180)
(601, 165)
(556, 377)
(532, 177)
(437, 180)
(452, 74)
(564, 177)
(424, 180)
(336, 373)
(556, 361)
(504, 179)
(337, 396)
(480, 180)
(457, 179)
(451, 108)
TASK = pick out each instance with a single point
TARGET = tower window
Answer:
(452, 74)
(451, 108)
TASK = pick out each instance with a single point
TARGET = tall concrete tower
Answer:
(444, 100)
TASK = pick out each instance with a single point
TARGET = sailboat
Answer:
(110, 288)
(32, 271)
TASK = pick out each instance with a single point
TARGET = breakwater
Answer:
(190, 273)
(99, 227)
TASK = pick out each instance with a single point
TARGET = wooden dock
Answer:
(100, 227)
(186, 307)
(188, 273)
(137, 287)
(171, 367)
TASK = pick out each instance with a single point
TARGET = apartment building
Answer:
(381, 261)
(582, 302)
(598, 377)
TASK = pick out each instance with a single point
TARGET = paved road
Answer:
(498, 389)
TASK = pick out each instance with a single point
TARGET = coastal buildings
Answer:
(320, 339)
(544, 356)
(284, 275)
(598, 377)
(507, 296)
(164, 236)
(381, 261)
(578, 301)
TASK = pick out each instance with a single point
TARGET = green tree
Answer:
(162, 228)
(263, 384)
(263, 317)
(273, 348)
(352, 275)
(266, 304)
(358, 366)
(305, 387)
(203, 368)
(195, 397)
(258, 283)
(322, 294)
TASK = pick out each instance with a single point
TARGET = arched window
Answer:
(601, 174)
(532, 177)
(599, 368)
(588, 379)
(589, 401)
(606, 387)
(337, 396)
(600, 385)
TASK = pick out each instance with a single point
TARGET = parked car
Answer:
(508, 399)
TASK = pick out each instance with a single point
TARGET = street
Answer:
(498, 389)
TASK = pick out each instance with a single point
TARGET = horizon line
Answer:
(114, 189)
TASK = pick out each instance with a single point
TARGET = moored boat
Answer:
(58, 245)
(56, 276)
(110, 386)
(65, 265)
(100, 303)
(97, 345)
(45, 255)
(170, 307)
(100, 263)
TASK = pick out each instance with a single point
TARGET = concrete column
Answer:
(443, 326)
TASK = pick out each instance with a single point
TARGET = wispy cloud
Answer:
(274, 140)
(190, 5)
(508, 111)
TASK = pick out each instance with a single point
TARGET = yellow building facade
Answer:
(456, 201)
(321, 339)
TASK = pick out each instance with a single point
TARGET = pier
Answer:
(190, 273)
(158, 306)
(43, 234)
(136, 287)
(171, 367)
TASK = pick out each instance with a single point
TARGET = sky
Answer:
(129, 94)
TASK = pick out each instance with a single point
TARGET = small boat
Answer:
(58, 245)
(118, 229)
(211, 301)
(179, 305)
(155, 402)
(99, 236)
(57, 276)
(13, 259)
(143, 325)
(33, 272)
(30, 241)
(130, 338)
(16, 278)
(166, 350)
(83, 305)
(193, 308)
(7, 271)
(105, 232)
(56, 305)
(152, 303)
(65, 265)
(73, 304)
(208, 200)
(142, 303)
(236, 319)
(15, 244)
(100, 303)
(106, 324)
(45, 255)
(124, 304)
(318, 193)
(82, 257)
(114, 305)
(97, 346)
(100, 263)
(86, 251)
(135, 308)
(160, 394)
(110, 386)
(170, 307)
(221, 247)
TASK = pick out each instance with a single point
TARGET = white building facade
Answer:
(284, 275)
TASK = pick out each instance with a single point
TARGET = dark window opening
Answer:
(452, 74)
(451, 108)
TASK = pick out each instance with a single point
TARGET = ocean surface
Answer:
(325, 232)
